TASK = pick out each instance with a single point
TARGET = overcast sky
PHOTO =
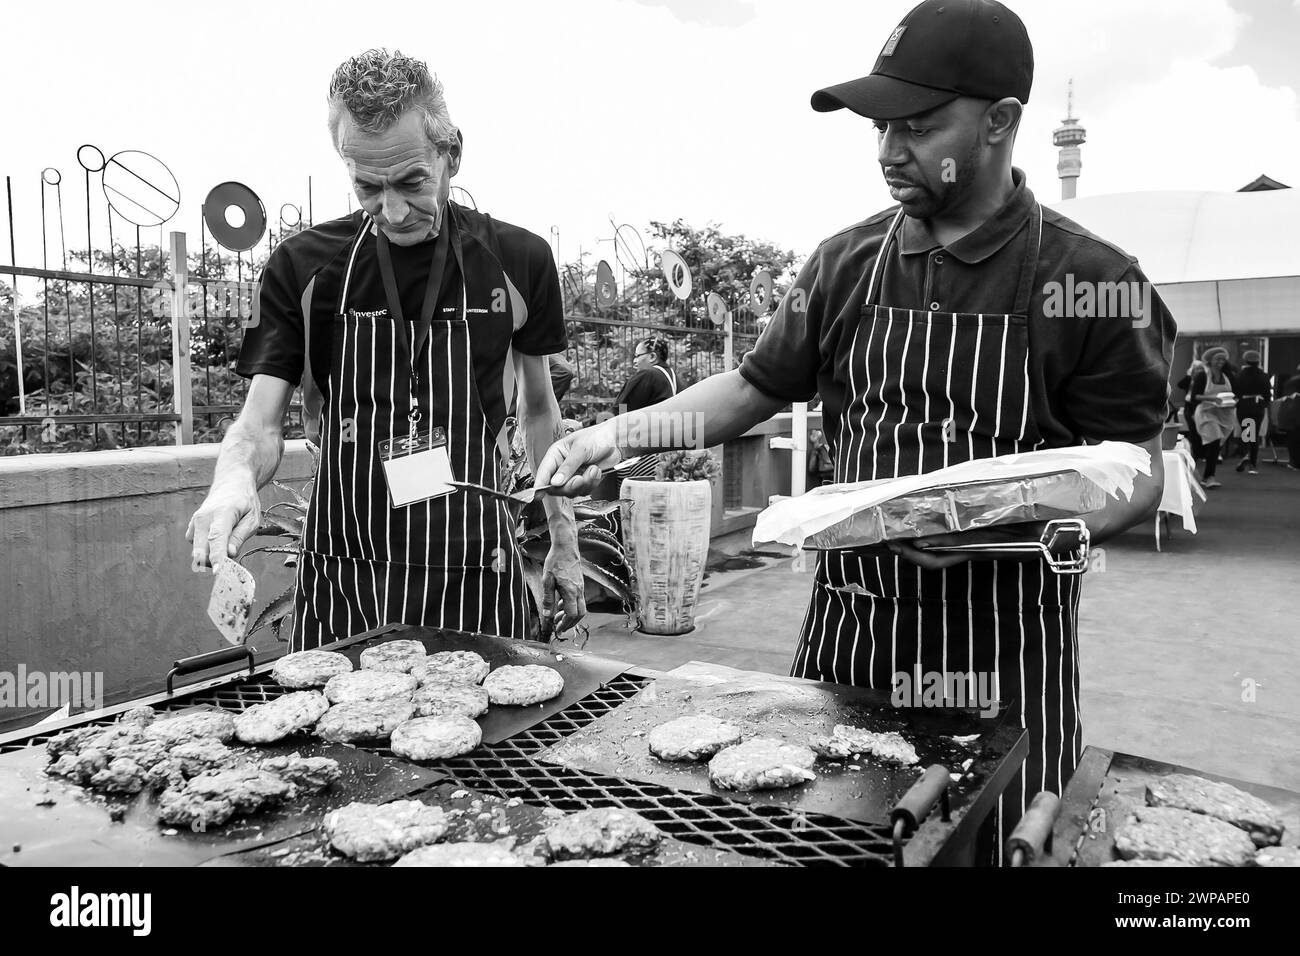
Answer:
(573, 111)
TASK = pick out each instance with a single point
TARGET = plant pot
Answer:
(666, 534)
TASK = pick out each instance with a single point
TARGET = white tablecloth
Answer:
(1182, 489)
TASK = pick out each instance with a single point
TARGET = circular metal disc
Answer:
(290, 216)
(51, 176)
(760, 292)
(677, 273)
(235, 238)
(140, 188)
(606, 291)
(91, 158)
(717, 307)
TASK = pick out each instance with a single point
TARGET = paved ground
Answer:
(1172, 643)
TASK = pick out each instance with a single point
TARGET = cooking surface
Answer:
(1107, 784)
(77, 829)
(794, 710)
(477, 817)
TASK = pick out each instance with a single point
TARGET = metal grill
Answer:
(509, 769)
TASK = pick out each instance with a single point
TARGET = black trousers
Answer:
(1211, 454)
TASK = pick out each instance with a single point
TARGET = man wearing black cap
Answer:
(935, 333)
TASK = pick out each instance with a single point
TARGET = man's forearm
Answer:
(541, 428)
(1120, 514)
(248, 451)
(719, 409)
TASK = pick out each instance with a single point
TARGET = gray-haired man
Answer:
(411, 324)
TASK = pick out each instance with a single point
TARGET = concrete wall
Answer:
(95, 569)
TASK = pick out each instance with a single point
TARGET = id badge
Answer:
(417, 467)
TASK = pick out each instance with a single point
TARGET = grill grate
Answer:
(510, 769)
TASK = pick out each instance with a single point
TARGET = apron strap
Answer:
(880, 257)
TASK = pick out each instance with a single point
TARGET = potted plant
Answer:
(666, 534)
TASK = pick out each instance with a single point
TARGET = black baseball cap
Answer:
(943, 49)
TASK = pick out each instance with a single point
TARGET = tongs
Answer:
(1064, 544)
(527, 495)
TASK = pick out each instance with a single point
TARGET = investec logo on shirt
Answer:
(78, 909)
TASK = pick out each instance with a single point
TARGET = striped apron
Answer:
(449, 562)
(927, 390)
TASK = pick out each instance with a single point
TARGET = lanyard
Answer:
(411, 349)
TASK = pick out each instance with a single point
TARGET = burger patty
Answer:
(371, 832)
(368, 685)
(461, 854)
(436, 738)
(1161, 833)
(600, 832)
(1244, 810)
(763, 763)
(363, 719)
(395, 656)
(182, 727)
(692, 738)
(309, 668)
(277, 719)
(845, 741)
(461, 667)
(523, 685)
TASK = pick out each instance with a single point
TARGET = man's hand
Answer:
(572, 465)
(917, 549)
(563, 584)
(228, 516)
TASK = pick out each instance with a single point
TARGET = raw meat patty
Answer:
(599, 861)
(461, 854)
(309, 668)
(1278, 856)
(277, 719)
(368, 685)
(436, 738)
(307, 774)
(600, 832)
(370, 832)
(461, 667)
(763, 763)
(1160, 833)
(522, 685)
(216, 796)
(363, 720)
(692, 738)
(203, 723)
(444, 698)
(1245, 810)
(396, 656)
(845, 741)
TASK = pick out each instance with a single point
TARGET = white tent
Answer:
(1222, 262)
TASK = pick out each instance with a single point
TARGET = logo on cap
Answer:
(893, 41)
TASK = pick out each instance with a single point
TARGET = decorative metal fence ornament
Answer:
(140, 188)
(760, 292)
(717, 307)
(239, 238)
(677, 274)
(606, 290)
(290, 216)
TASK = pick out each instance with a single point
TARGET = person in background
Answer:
(1286, 418)
(1189, 423)
(1254, 392)
(1214, 419)
(650, 383)
(821, 470)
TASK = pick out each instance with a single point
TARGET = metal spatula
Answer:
(232, 600)
(527, 495)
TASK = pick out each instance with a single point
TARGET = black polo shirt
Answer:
(1099, 377)
(304, 278)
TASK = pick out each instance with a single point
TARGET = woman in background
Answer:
(651, 382)
(1214, 415)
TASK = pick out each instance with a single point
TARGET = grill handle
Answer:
(201, 662)
(1028, 841)
(917, 803)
